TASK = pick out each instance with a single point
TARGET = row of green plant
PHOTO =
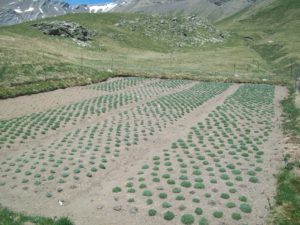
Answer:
(82, 153)
(209, 166)
(30, 126)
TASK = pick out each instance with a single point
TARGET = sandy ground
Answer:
(90, 201)
(23, 105)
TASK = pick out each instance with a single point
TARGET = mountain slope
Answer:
(211, 9)
(271, 28)
(13, 12)
(30, 58)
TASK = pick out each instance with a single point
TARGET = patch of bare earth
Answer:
(90, 201)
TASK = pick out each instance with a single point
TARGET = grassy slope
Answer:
(8, 217)
(29, 59)
(274, 29)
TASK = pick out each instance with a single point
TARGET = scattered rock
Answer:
(61, 202)
(99, 207)
(59, 189)
(192, 192)
(215, 190)
(117, 208)
(66, 29)
(177, 32)
(73, 186)
(116, 199)
(160, 188)
(134, 210)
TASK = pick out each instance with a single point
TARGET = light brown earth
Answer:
(91, 201)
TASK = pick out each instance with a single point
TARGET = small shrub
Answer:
(180, 198)
(187, 219)
(169, 215)
(230, 205)
(253, 179)
(176, 190)
(116, 189)
(198, 211)
(218, 214)
(163, 195)
(236, 216)
(63, 221)
(149, 201)
(186, 184)
(152, 212)
(225, 196)
(131, 200)
(203, 221)
(245, 208)
(166, 205)
(243, 198)
(147, 193)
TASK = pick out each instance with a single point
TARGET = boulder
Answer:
(66, 29)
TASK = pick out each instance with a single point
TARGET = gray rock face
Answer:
(16, 11)
(66, 29)
(212, 9)
(175, 31)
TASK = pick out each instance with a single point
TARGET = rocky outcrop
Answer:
(214, 10)
(12, 12)
(175, 31)
(66, 29)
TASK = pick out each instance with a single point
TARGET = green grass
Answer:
(31, 62)
(275, 44)
(291, 122)
(287, 207)
(9, 217)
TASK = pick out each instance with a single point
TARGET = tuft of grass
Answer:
(287, 198)
(116, 189)
(198, 211)
(236, 216)
(218, 214)
(187, 219)
(169, 215)
(152, 212)
(9, 217)
(245, 208)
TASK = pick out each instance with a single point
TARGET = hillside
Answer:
(30, 58)
(271, 28)
(255, 45)
(14, 12)
(212, 9)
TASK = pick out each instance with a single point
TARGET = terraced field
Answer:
(143, 151)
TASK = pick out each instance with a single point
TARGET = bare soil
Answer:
(89, 200)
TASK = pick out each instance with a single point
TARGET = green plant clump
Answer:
(169, 215)
(116, 189)
(187, 219)
(152, 212)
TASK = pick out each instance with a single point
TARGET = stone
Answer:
(66, 29)
(117, 208)
(134, 210)
(99, 207)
